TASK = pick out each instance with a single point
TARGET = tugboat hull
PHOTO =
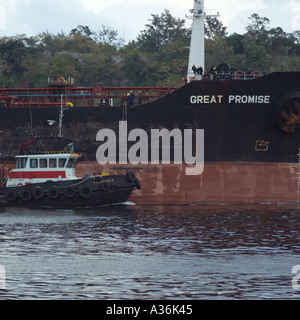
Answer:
(92, 191)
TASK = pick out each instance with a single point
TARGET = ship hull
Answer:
(251, 153)
(220, 183)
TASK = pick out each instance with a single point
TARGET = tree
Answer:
(236, 41)
(280, 42)
(38, 72)
(107, 35)
(163, 29)
(214, 28)
(13, 52)
(295, 39)
(84, 31)
(256, 57)
(258, 31)
(159, 55)
(134, 65)
(98, 67)
(65, 65)
(217, 51)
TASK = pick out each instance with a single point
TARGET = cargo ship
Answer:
(247, 123)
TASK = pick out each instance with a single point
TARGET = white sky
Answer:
(130, 16)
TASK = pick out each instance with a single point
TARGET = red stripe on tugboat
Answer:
(37, 175)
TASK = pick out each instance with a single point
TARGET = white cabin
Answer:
(43, 167)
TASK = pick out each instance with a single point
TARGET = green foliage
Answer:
(135, 66)
(162, 30)
(257, 31)
(236, 41)
(214, 28)
(218, 51)
(256, 56)
(158, 56)
(13, 51)
(98, 67)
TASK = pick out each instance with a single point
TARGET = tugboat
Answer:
(49, 180)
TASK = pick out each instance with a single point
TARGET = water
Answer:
(135, 252)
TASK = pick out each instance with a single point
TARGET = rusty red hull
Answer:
(220, 183)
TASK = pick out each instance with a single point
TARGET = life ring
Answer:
(53, 193)
(104, 186)
(20, 184)
(38, 193)
(239, 75)
(255, 74)
(70, 192)
(11, 196)
(86, 192)
(26, 195)
(130, 176)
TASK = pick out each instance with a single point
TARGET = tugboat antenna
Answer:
(197, 48)
(61, 114)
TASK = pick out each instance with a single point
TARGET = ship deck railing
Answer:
(78, 96)
(238, 75)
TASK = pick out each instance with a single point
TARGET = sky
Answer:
(129, 17)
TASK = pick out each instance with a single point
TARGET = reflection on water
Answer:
(133, 252)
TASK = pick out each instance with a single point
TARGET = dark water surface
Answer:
(134, 252)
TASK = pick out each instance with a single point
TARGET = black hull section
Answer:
(89, 192)
(242, 119)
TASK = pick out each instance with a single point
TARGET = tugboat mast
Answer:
(197, 48)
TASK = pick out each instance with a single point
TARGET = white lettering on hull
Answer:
(232, 99)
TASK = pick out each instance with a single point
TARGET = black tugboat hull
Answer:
(90, 192)
(99, 199)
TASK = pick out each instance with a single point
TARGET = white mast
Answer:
(197, 49)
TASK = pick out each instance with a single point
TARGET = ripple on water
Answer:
(150, 253)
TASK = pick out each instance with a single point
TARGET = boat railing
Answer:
(61, 81)
(229, 75)
(235, 75)
(241, 75)
(56, 152)
(78, 96)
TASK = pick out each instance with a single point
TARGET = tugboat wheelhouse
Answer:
(42, 168)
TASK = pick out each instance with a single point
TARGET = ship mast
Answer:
(197, 48)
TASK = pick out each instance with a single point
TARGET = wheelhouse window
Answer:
(72, 163)
(33, 163)
(21, 163)
(43, 163)
(52, 163)
(62, 162)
